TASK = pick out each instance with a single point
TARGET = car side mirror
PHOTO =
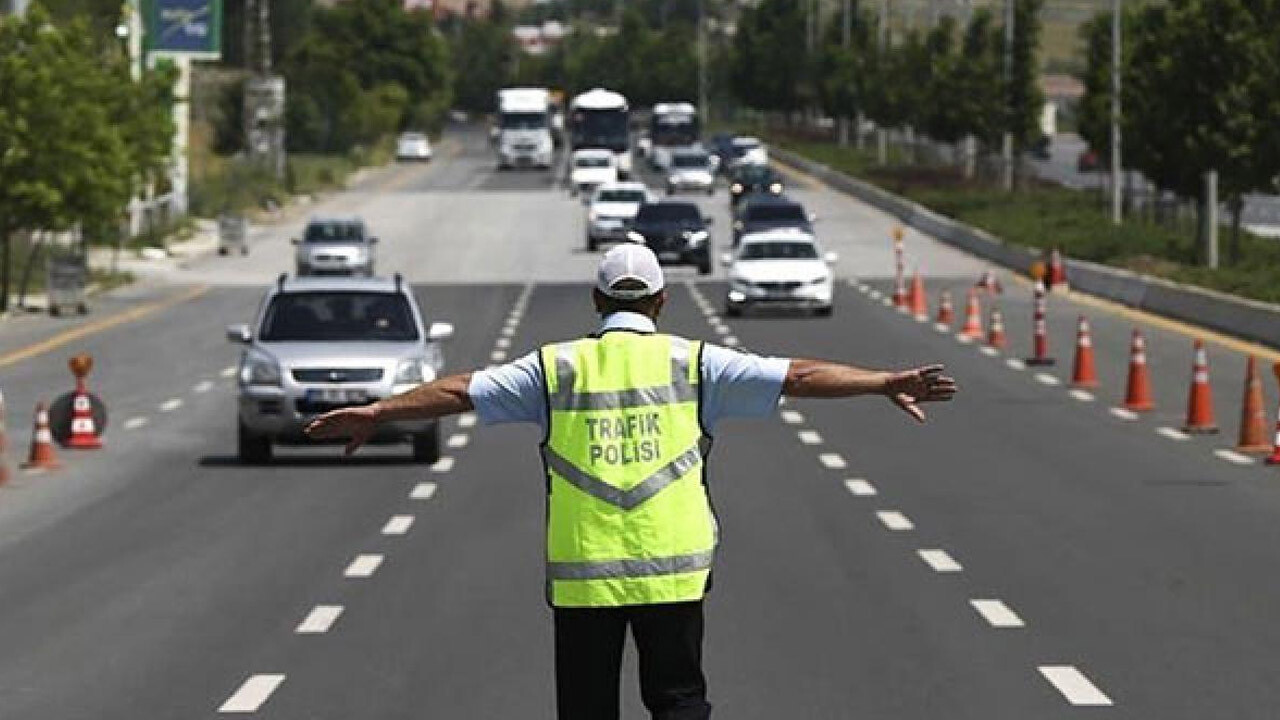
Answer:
(440, 331)
(726, 259)
(830, 258)
(240, 334)
(293, 241)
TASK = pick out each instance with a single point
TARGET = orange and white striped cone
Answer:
(919, 304)
(1057, 270)
(899, 292)
(1084, 373)
(84, 432)
(1274, 457)
(1253, 416)
(1138, 393)
(946, 311)
(972, 329)
(1040, 327)
(1200, 399)
(995, 331)
(42, 456)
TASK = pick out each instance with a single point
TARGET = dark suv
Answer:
(676, 232)
(769, 212)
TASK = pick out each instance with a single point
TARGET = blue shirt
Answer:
(734, 383)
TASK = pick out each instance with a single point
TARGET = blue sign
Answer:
(185, 27)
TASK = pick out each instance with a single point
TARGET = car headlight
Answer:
(411, 371)
(258, 368)
(635, 237)
(735, 188)
(776, 188)
(696, 237)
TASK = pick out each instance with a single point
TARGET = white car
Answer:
(691, 169)
(746, 150)
(779, 268)
(611, 210)
(413, 146)
(591, 168)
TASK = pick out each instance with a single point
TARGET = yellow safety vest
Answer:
(629, 521)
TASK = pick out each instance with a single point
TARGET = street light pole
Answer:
(1116, 168)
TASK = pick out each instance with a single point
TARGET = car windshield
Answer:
(339, 317)
(627, 196)
(780, 250)
(524, 121)
(668, 212)
(772, 212)
(690, 160)
(741, 146)
(755, 174)
(588, 161)
(335, 232)
(412, 137)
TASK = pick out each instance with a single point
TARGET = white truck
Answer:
(524, 128)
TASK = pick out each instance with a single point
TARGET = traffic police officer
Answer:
(626, 414)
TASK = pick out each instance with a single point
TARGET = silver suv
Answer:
(325, 343)
(335, 246)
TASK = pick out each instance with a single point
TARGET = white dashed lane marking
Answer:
(1073, 685)
(997, 614)
(875, 294)
(458, 440)
(252, 694)
(134, 423)
(398, 525)
(722, 329)
(363, 566)
(887, 302)
(503, 343)
(1015, 364)
(203, 386)
(731, 341)
(964, 339)
(989, 351)
(894, 520)
(1233, 457)
(171, 404)
(228, 371)
(809, 437)
(832, 461)
(791, 417)
(319, 620)
(1172, 433)
(498, 356)
(939, 560)
(423, 491)
(860, 487)
(467, 420)
(1047, 379)
(1082, 395)
(942, 327)
(443, 465)
(1124, 414)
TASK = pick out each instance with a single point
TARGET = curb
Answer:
(1246, 319)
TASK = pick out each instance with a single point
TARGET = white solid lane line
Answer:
(1015, 364)
(832, 461)
(1073, 685)
(791, 417)
(1124, 414)
(443, 465)
(1082, 395)
(1172, 433)
(894, 520)
(319, 620)
(134, 423)
(1233, 457)
(171, 404)
(423, 491)
(228, 371)
(203, 386)
(252, 694)
(809, 437)
(458, 440)
(939, 560)
(997, 614)
(467, 420)
(398, 525)
(860, 487)
(363, 566)
(1047, 379)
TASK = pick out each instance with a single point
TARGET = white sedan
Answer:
(779, 268)
(611, 210)
(413, 146)
(591, 168)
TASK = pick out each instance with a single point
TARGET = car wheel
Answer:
(824, 311)
(253, 449)
(426, 446)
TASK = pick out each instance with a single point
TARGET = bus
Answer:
(672, 125)
(599, 119)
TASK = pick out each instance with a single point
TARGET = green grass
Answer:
(1049, 216)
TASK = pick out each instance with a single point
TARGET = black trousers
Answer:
(589, 644)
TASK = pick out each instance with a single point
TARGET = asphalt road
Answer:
(1023, 555)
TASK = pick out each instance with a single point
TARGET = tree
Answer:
(1025, 98)
(770, 60)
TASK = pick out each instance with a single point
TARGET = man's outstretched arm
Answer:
(907, 388)
(446, 396)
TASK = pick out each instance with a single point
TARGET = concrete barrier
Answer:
(1247, 319)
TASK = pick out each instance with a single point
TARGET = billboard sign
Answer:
(190, 28)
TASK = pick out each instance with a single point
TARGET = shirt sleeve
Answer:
(739, 384)
(510, 393)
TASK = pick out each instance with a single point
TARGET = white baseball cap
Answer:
(629, 272)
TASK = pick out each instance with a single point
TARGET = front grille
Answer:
(330, 258)
(779, 286)
(337, 375)
(315, 407)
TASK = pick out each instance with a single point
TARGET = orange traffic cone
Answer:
(899, 292)
(1138, 393)
(1253, 419)
(1040, 336)
(1200, 400)
(946, 312)
(1274, 457)
(1083, 372)
(42, 457)
(1057, 270)
(84, 432)
(989, 282)
(919, 303)
(972, 318)
(995, 330)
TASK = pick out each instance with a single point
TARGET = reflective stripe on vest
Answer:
(629, 520)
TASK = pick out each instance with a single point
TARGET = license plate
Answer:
(337, 395)
(669, 255)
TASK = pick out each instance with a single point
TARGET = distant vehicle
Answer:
(769, 212)
(524, 128)
(319, 344)
(413, 146)
(748, 180)
(676, 232)
(591, 168)
(691, 169)
(600, 119)
(779, 268)
(672, 125)
(335, 246)
(1088, 162)
(746, 150)
(612, 210)
(721, 145)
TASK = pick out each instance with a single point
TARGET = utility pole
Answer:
(264, 95)
(1116, 160)
(1006, 153)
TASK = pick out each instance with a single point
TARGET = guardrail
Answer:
(1246, 319)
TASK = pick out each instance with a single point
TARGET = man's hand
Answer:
(356, 423)
(925, 384)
